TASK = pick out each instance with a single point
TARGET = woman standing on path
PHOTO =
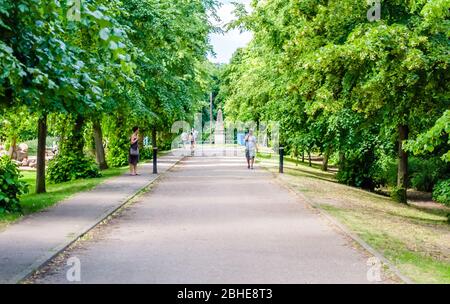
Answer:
(134, 152)
(250, 149)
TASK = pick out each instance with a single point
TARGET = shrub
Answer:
(441, 192)
(425, 173)
(70, 166)
(146, 153)
(117, 156)
(386, 172)
(398, 194)
(116, 132)
(118, 150)
(11, 187)
(165, 141)
(358, 170)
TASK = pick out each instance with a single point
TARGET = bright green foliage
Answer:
(146, 153)
(17, 126)
(338, 83)
(70, 166)
(10, 186)
(425, 173)
(118, 144)
(171, 42)
(59, 70)
(172, 37)
(52, 74)
(441, 192)
(437, 138)
(136, 62)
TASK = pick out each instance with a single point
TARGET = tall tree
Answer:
(343, 73)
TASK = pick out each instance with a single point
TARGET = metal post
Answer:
(155, 160)
(281, 159)
(210, 117)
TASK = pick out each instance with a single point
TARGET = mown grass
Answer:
(416, 240)
(33, 202)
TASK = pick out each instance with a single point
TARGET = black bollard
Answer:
(281, 159)
(155, 160)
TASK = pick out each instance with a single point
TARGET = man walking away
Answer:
(250, 149)
(192, 140)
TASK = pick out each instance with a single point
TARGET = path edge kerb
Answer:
(44, 260)
(279, 179)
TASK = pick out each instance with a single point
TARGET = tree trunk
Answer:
(77, 139)
(73, 141)
(40, 164)
(309, 156)
(402, 175)
(13, 148)
(326, 156)
(99, 149)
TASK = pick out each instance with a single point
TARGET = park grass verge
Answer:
(415, 240)
(33, 202)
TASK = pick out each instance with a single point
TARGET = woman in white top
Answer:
(250, 149)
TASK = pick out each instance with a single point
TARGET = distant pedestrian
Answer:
(134, 151)
(250, 149)
(192, 140)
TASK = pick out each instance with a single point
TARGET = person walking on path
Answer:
(134, 152)
(192, 139)
(250, 149)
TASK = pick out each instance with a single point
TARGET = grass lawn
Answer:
(55, 193)
(416, 240)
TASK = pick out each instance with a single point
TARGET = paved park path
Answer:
(27, 244)
(210, 220)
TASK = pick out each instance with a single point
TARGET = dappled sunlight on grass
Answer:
(32, 202)
(416, 240)
(295, 168)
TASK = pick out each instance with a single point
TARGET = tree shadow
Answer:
(444, 212)
(420, 201)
